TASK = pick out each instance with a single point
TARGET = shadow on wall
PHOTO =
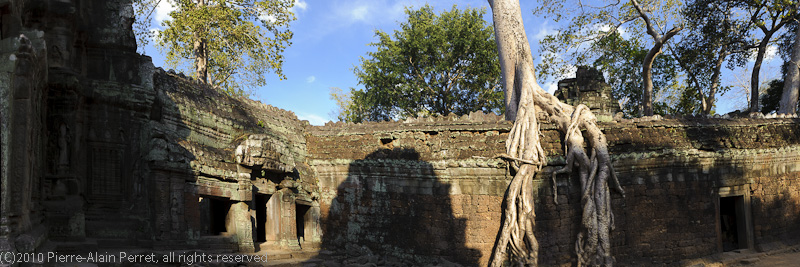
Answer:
(392, 209)
(776, 212)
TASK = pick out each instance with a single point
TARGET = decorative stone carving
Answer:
(63, 148)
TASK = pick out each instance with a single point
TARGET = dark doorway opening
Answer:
(261, 217)
(218, 213)
(731, 222)
(300, 221)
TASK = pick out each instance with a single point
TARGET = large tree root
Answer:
(524, 99)
(524, 149)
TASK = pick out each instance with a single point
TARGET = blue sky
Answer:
(330, 36)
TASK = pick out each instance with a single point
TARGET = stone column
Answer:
(288, 234)
(272, 227)
(313, 228)
(22, 72)
(244, 229)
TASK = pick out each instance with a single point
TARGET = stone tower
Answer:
(589, 88)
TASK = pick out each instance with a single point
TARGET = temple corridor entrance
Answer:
(217, 215)
(261, 217)
(729, 220)
(734, 222)
(303, 223)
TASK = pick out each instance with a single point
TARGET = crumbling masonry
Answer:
(101, 150)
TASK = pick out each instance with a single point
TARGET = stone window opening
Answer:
(387, 143)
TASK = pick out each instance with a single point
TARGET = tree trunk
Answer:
(200, 52)
(762, 49)
(708, 101)
(513, 51)
(524, 99)
(647, 65)
(647, 77)
(792, 80)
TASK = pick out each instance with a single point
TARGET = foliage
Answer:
(649, 23)
(768, 18)
(435, 64)
(770, 101)
(578, 42)
(621, 61)
(239, 41)
(713, 35)
(346, 110)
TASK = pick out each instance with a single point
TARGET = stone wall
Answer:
(209, 147)
(428, 189)
(99, 149)
(23, 69)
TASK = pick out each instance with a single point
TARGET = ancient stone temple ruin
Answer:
(102, 151)
(589, 88)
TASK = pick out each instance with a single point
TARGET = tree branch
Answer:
(650, 30)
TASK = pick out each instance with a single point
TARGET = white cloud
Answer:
(551, 87)
(372, 12)
(624, 32)
(359, 13)
(162, 11)
(769, 55)
(268, 18)
(311, 79)
(603, 27)
(544, 31)
(772, 51)
(312, 118)
(300, 4)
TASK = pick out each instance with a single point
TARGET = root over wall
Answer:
(430, 189)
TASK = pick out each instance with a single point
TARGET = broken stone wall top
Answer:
(217, 123)
(589, 88)
(463, 137)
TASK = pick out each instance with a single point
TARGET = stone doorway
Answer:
(303, 222)
(261, 201)
(734, 224)
(729, 222)
(218, 218)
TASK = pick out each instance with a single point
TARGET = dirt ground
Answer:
(789, 258)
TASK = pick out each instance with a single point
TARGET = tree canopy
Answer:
(231, 43)
(622, 60)
(649, 23)
(435, 64)
(691, 39)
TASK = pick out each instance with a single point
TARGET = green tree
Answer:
(347, 110)
(232, 43)
(712, 34)
(770, 101)
(622, 60)
(652, 23)
(435, 64)
(766, 19)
